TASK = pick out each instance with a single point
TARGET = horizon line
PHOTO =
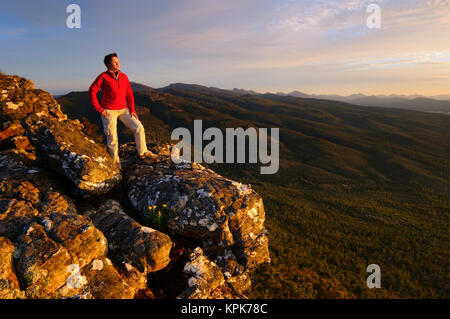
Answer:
(288, 92)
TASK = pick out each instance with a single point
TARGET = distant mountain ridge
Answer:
(140, 87)
(416, 103)
(434, 104)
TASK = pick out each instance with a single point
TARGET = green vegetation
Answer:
(157, 216)
(356, 186)
(29, 277)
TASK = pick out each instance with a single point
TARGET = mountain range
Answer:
(434, 104)
(438, 104)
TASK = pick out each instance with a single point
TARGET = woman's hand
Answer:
(104, 113)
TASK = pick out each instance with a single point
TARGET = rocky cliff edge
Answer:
(73, 226)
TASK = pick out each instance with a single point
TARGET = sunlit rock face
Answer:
(131, 243)
(63, 147)
(52, 246)
(203, 205)
(225, 216)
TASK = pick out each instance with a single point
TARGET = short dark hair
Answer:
(108, 58)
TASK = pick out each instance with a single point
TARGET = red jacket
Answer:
(115, 93)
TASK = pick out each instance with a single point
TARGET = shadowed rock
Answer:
(142, 247)
(27, 194)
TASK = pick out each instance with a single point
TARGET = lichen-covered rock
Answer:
(18, 98)
(142, 247)
(54, 246)
(63, 147)
(102, 282)
(202, 205)
(235, 274)
(255, 253)
(42, 264)
(9, 285)
(27, 194)
(53, 264)
(11, 137)
(57, 142)
(49, 250)
(48, 253)
(78, 235)
(204, 276)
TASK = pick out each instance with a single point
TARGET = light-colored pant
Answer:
(110, 130)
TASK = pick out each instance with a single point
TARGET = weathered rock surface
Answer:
(18, 98)
(220, 279)
(202, 205)
(130, 243)
(55, 245)
(63, 147)
(41, 262)
(32, 119)
(27, 194)
(105, 282)
(227, 217)
(9, 285)
(204, 276)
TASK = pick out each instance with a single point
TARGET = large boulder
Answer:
(204, 276)
(62, 146)
(9, 285)
(48, 268)
(57, 252)
(32, 120)
(41, 262)
(130, 243)
(53, 245)
(27, 194)
(18, 98)
(224, 216)
(222, 213)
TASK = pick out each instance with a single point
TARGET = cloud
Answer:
(268, 42)
(300, 16)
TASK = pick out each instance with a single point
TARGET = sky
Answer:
(314, 46)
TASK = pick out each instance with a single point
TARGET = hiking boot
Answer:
(148, 154)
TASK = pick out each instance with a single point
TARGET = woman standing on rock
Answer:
(116, 94)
